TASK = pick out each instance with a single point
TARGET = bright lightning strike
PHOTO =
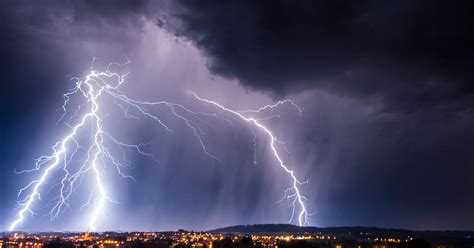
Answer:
(293, 192)
(95, 87)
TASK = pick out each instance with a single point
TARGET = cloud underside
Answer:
(412, 55)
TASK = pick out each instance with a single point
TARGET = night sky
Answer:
(386, 138)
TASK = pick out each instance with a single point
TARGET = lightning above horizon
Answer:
(293, 193)
(89, 117)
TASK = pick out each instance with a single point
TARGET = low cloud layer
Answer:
(412, 55)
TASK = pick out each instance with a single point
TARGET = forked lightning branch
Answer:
(89, 116)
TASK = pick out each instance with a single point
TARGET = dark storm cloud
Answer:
(410, 54)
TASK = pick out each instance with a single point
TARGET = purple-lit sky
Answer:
(385, 139)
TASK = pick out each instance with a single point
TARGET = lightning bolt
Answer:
(95, 87)
(291, 193)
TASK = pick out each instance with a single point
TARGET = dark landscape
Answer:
(264, 235)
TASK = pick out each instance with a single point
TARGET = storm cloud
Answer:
(411, 55)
